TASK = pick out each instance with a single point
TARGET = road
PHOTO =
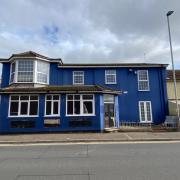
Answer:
(146, 161)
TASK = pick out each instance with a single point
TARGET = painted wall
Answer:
(170, 89)
(126, 81)
(39, 121)
(128, 103)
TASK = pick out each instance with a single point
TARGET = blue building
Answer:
(40, 94)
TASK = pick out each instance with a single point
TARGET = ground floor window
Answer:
(82, 104)
(23, 105)
(145, 111)
(52, 107)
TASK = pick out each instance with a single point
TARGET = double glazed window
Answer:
(24, 105)
(42, 72)
(29, 71)
(80, 104)
(52, 105)
(145, 111)
(78, 77)
(143, 80)
(25, 71)
(110, 76)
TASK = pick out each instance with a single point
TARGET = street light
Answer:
(172, 59)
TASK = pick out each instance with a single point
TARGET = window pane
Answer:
(25, 66)
(143, 75)
(14, 108)
(42, 78)
(24, 108)
(13, 67)
(87, 97)
(109, 98)
(142, 110)
(25, 76)
(49, 97)
(87, 107)
(56, 97)
(48, 108)
(24, 97)
(143, 85)
(70, 97)
(14, 97)
(77, 107)
(33, 108)
(77, 97)
(55, 108)
(33, 97)
(70, 107)
(148, 109)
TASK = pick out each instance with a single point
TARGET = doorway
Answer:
(109, 111)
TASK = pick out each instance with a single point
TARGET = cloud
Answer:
(91, 31)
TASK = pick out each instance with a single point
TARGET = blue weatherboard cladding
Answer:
(126, 81)
(126, 104)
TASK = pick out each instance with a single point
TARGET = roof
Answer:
(111, 65)
(61, 89)
(30, 54)
(170, 75)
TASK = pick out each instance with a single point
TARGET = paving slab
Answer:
(89, 137)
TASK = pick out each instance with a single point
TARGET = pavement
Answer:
(89, 137)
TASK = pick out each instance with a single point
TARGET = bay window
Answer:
(80, 104)
(29, 71)
(23, 105)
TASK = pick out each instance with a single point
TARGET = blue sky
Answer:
(91, 31)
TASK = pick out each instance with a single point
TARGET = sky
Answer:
(91, 31)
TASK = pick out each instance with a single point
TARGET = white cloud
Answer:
(90, 30)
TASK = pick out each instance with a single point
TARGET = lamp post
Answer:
(174, 75)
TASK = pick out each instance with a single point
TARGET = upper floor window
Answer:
(25, 71)
(42, 72)
(78, 77)
(29, 71)
(110, 76)
(143, 80)
(13, 70)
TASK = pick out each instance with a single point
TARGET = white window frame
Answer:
(78, 75)
(139, 80)
(145, 111)
(35, 80)
(107, 74)
(81, 105)
(19, 107)
(52, 105)
(14, 80)
(37, 72)
(17, 71)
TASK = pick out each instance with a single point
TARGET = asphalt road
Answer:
(91, 162)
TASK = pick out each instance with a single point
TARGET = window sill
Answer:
(144, 90)
(84, 115)
(111, 83)
(22, 116)
(58, 115)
